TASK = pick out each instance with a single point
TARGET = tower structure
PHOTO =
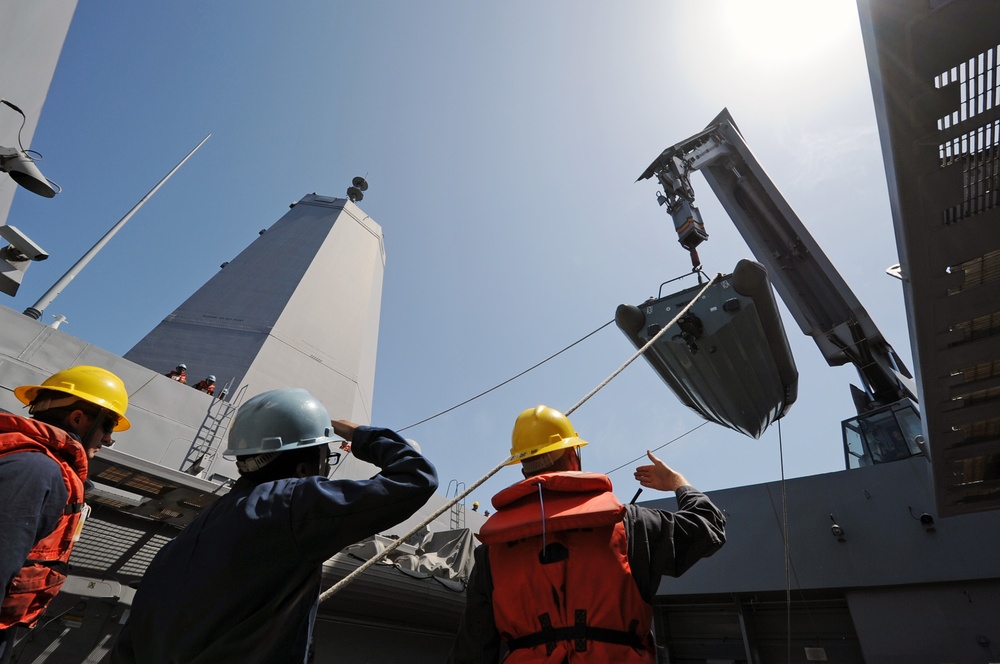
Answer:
(934, 70)
(298, 307)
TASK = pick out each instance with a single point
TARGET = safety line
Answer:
(332, 590)
(657, 449)
(789, 570)
(535, 366)
(784, 526)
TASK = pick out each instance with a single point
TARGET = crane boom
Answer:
(819, 299)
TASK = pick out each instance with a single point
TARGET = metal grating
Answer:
(136, 565)
(164, 514)
(979, 154)
(976, 272)
(119, 476)
(976, 79)
(979, 372)
(978, 150)
(112, 475)
(110, 502)
(977, 479)
(976, 328)
(978, 431)
(147, 485)
(979, 396)
(112, 548)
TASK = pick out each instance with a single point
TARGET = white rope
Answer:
(330, 592)
(643, 349)
(334, 589)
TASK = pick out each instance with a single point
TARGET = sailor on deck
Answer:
(178, 373)
(576, 571)
(43, 467)
(206, 385)
(241, 582)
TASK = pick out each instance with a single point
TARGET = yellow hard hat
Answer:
(541, 430)
(94, 384)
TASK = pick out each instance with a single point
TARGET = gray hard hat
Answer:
(278, 421)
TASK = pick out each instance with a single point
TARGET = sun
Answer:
(784, 32)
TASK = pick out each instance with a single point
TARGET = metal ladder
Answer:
(206, 442)
(458, 509)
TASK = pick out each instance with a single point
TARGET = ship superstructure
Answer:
(894, 558)
(298, 307)
(885, 561)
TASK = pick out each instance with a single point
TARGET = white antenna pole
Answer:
(35, 311)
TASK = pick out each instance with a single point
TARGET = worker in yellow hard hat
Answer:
(43, 466)
(566, 572)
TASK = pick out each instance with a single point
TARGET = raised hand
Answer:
(659, 475)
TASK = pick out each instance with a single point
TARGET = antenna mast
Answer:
(35, 311)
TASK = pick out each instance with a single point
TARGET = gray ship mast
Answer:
(35, 310)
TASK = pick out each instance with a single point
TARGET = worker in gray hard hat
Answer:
(242, 582)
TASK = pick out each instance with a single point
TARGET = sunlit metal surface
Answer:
(148, 490)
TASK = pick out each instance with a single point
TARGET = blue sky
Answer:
(502, 142)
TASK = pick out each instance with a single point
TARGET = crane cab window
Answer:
(888, 434)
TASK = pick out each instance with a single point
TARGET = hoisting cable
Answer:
(335, 588)
(789, 572)
(513, 378)
(784, 528)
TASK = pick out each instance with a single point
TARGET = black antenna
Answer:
(355, 192)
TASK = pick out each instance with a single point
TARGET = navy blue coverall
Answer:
(241, 583)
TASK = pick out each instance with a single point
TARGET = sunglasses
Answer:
(109, 422)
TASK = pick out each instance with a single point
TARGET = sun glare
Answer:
(785, 32)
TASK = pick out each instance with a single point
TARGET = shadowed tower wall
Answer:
(299, 307)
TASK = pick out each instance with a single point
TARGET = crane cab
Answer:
(886, 434)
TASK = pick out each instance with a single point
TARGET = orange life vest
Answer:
(574, 598)
(44, 572)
